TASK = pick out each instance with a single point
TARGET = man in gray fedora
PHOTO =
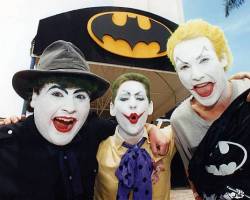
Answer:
(51, 155)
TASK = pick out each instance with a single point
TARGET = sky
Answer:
(236, 27)
(19, 20)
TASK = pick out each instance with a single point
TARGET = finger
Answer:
(7, 121)
(236, 76)
(23, 117)
(248, 97)
(154, 148)
(161, 166)
(14, 119)
(240, 75)
(159, 124)
(157, 169)
(154, 164)
(163, 149)
(154, 178)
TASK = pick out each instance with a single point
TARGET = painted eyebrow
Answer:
(128, 93)
(138, 93)
(124, 91)
(178, 59)
(80, 90)
(58, 87)
(201, 54)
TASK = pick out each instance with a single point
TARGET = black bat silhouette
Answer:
(130, 32)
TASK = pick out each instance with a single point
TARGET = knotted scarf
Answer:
(134, 173)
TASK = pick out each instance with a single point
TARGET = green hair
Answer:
(130, 77)
(198, 28)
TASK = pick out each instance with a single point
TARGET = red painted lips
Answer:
(204, 89)
(133, 117)
(64, 124)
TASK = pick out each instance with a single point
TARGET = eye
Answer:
(81, 96)
(140, 98)
(123, 98)
(184, 67)
(204, 60)
(57, 94)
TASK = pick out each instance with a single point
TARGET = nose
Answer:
(197, 75)
(69, 106)
(132, 104)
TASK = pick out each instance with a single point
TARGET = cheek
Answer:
(47, 103)
(121, 107)
(44, 107)
(212, 66)
(144, 107)
(185, 79)
(143, 119)
(120, 117)
(83, 109)
(119, 114)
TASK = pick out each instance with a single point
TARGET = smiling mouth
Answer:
(64, 124)
(204, 89)
(133, 117)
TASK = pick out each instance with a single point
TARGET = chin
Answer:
(61, 143)
(207, 101)
(61, 140)
(136, 131)
(133, 133)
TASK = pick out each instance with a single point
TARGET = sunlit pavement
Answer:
(181, 194)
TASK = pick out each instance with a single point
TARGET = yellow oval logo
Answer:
(129, 34)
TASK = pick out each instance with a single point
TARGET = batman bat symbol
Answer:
(130, 32)
(229, 167)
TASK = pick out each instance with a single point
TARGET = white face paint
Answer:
(131, 108)
(200, 70)
(59, 112)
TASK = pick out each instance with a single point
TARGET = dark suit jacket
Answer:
(31, 168)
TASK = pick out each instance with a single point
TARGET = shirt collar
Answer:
(118, 140)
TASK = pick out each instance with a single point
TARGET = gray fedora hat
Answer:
(60, 58)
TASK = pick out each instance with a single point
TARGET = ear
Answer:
(33, 99)
(223, 61)
(112, 109)
(150, 108)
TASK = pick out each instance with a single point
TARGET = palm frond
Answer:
(231, 4)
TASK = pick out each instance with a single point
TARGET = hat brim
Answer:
(23, 81)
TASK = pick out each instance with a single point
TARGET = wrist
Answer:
(196, 196)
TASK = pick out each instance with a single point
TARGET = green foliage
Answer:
(231, 4)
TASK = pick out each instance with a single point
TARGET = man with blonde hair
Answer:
(201, 56)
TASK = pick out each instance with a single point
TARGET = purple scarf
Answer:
(134, 173)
